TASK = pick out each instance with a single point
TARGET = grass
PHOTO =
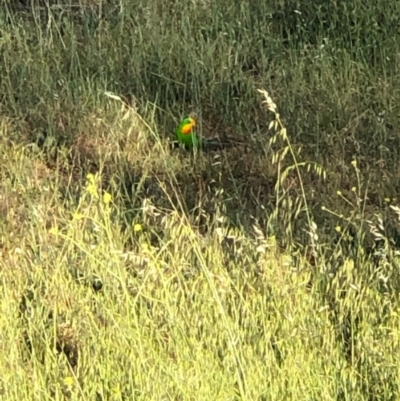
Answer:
(131, 270)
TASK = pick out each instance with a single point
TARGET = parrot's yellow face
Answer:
(188, 125)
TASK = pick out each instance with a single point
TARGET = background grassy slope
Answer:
(133, 271)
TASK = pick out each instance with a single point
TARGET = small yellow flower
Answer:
(116, 391)
(354, 189)
(53, 230)
(91, 185)
(137, 227)
(69, 381)
(145, 247)
(338, 229)
(339, 193)
(90, 178)
(77, 216)
(107, 198)
(354, 163)
(92, 190)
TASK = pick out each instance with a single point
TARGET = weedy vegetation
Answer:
(131, 270)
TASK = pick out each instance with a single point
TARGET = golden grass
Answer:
(97, 305)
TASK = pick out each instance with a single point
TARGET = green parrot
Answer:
(186, 136)
(185, 133)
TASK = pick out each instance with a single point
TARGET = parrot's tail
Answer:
(210, 144)
(207, 144)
